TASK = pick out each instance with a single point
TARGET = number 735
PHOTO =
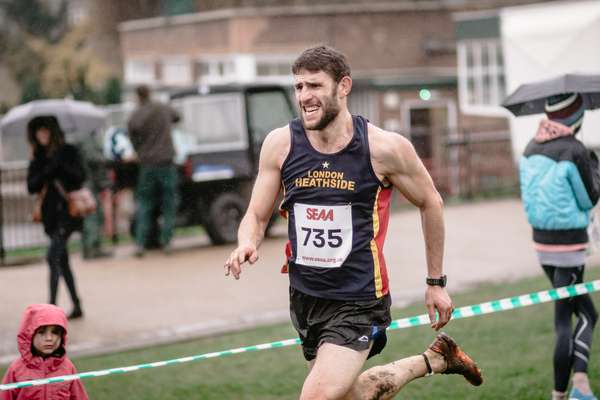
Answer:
(320, 237)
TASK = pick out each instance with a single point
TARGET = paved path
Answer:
(133, 302)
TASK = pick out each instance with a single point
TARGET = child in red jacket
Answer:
(42, 341)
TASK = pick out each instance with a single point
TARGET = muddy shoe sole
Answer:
(457, 361)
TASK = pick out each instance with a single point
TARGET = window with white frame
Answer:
(271, 68)
(140, 71)
(215, 70)
(481, 74)
(176, 71)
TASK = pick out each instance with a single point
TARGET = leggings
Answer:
(58, 261)
(572, 348)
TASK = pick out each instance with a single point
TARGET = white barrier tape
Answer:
(489, 307)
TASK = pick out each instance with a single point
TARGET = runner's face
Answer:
(316, 93)
(47, 338)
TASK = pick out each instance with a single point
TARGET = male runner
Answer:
(337, 172)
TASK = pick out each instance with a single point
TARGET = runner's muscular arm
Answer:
(394, 158)
(266, 187)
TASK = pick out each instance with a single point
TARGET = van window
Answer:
(267, 111)
(215, 121)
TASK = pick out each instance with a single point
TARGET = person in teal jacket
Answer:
(560, 184)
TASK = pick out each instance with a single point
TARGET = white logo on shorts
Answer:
(363, 339)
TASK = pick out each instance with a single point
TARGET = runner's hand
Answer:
(240, 255)
(436, 298)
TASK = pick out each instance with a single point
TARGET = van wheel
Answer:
(225, 215)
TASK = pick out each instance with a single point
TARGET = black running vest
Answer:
(338, 213)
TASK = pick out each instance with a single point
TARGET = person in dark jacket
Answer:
(149, 129)
(55, 165)
(560, 184)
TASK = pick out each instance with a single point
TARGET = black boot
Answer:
(77, 312)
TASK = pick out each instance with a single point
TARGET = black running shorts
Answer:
(352, 324)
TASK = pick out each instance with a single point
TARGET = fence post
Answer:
(469, 163)
(2, 251)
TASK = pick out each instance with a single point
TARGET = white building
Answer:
(500, 50)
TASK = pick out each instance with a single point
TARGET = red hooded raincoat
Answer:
(29, 366)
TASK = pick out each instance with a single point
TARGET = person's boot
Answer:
(558, 395)
(576, 394)
(76, 313)
(101, 254)
(457, 361)
(139, 252)
(167, 249)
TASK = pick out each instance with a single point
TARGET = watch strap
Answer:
(441, 281)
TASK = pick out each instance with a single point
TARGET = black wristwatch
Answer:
(441, 281)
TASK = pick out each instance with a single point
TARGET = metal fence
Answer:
(18, 231)
(468, 163)
(483, 163)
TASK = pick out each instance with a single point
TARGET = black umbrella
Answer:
(530, 98)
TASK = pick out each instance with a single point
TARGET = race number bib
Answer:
(323, 234)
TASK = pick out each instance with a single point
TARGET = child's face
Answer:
(47, 339)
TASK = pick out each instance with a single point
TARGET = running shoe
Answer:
(577, 395)
(457, 361)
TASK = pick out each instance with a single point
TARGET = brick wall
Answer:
(189, 39)
(372, 41)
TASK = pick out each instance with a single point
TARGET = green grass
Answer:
(513, 348)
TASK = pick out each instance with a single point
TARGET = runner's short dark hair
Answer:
(323, 58)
